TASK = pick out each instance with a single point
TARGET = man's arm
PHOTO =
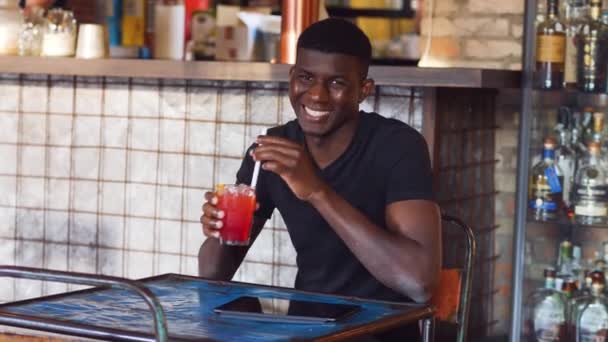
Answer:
(220, 262)
(406, 257)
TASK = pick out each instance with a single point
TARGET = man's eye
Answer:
(305, 77)
(338, 83)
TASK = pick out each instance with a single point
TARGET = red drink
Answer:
(238, 204)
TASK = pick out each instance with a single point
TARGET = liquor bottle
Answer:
(577, 267)
(550, 49)
(599, 137)
(587, 125)
(564, 260)
(598, 128)
(591, 65)
(604, 267)
(599, 263)
(574, 18)
(546, 312)
(590, 206)
(541, 10)
(578, 135)
(570, 291)
(593, 317)
(569, 288)
(565, 160)
(576, 304)
(545, 190)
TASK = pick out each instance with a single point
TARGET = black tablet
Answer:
(286, 310)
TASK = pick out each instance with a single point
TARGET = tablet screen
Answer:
(293, 310)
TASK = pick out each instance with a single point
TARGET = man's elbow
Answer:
(422, 294)
(421, 288)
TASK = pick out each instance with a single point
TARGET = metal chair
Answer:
(160, 321)
(453, 296)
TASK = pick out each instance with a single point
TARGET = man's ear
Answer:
(291, 71)
(366, 89)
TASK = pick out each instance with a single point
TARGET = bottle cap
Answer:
(594, 147)
(597, 277)
(549, 142)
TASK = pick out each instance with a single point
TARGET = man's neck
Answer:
(327, 149)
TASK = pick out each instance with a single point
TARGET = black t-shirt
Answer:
(387, 161)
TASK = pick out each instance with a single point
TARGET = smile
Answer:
(315, 113)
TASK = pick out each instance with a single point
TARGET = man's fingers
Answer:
(211, 222)
(275, 167)
(267, 139)
(211, 227)
(287, 151)
(271, 154)
(211, 197)
(212, 211)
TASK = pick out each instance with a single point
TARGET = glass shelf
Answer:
(570, 97)
(565, 223)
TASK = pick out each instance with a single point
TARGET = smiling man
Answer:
(354, 188)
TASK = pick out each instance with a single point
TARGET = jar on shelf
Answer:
(30, 38)
(10, 26)
(59, 35)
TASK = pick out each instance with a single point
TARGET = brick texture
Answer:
(504, 177)
(482, 33)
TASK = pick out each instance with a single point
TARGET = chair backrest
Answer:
(452, 298)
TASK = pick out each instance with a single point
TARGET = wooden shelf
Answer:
(345, 12)
(246, 71)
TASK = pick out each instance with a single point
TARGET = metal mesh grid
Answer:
(107, 175)
(466, 189)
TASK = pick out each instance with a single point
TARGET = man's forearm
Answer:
(220, 262)
(401, 263)
(216, 261)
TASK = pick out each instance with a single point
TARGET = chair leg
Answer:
(428, 330)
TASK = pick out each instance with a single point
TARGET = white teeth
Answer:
(315, 113)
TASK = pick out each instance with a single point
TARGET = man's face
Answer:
(325, 90)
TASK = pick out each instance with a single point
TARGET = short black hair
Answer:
(334, 35)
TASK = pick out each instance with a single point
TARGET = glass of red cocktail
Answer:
(238, 203)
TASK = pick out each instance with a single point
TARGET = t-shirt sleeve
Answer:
(411, 176)
(243, 176)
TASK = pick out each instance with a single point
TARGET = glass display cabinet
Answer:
(561, 228)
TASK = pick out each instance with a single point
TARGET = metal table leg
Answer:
(428, 330)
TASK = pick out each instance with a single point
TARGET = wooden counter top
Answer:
(246, 71)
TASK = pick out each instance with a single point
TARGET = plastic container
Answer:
(10, 27)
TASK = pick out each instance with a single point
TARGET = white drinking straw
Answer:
(256, 168)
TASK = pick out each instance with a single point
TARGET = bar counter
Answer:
(256, 72)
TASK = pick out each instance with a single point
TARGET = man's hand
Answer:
(217, 261)
(212, 216)
(292, 163)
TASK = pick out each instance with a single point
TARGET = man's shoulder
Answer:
(389, 130)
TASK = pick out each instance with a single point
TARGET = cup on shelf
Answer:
(91, 41)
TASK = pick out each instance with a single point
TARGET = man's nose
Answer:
(319, 92)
